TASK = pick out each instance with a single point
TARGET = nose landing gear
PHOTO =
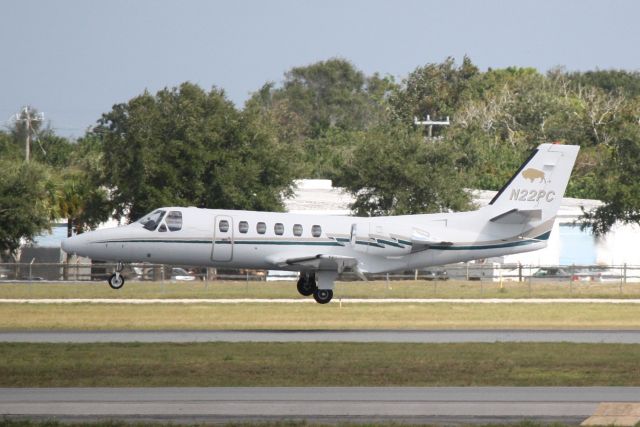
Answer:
(116, 281)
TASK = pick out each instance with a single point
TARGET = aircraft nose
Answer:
(70, 244)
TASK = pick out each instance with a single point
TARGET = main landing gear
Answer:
(116, 281)
(307, 285)
(322, 296)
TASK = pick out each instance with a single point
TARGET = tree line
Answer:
(190, 146)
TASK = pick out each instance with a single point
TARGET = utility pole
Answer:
(431, 123)
(27, 118)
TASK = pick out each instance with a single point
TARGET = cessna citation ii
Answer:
(518, 219)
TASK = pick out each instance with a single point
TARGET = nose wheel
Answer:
(116, 281)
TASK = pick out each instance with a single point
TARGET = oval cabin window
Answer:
(261, 228)
(278, 229)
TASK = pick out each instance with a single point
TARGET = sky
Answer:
(75, 59)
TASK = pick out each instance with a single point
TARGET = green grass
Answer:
(314, 316)
(377, 289)
(318, 364)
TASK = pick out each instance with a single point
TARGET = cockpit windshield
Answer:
(151, 221)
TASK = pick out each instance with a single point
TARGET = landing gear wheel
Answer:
(116, 281)
(322, 296)
(306, 284)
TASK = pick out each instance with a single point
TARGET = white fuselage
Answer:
(380, 244)
(518, 219)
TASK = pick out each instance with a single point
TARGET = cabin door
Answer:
(222, 239)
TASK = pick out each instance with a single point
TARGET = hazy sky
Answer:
(74, 59)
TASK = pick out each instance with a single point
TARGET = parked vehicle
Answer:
(281, 275)
(553, 273)
(435, 275)
(180, 274)
(601, 274)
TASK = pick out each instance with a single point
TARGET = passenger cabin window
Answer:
(162, 228)
(151, 221)
(223, 226)
(316, 231)
(278, 229)
(297, 230)
(243, 227)
(174, 220)
(261, 228)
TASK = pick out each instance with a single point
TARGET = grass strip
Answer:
(318, 364)
(315, 316)
(373, 289)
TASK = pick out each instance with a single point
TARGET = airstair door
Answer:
(222, 239)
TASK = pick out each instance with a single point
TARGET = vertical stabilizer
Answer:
(537, 188)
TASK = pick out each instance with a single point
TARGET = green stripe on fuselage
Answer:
(379, 244)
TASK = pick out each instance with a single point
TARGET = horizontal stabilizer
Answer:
(518, 216)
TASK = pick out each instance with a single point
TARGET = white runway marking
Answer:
(311, 301)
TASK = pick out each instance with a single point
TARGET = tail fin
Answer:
(535, 192)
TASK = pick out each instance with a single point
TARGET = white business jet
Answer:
(518, 219)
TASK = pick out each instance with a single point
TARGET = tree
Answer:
(392, 171)
(83, 203)
(433, 89)
(619, 82)
(618, 184)
(9, 150)
(25, 203)
(184, 146)
(53, 150)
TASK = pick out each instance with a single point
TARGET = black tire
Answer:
(322, 296)
(306, 284)
(116, 281)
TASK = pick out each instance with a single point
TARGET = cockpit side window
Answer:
(174, 220)
(151, 221)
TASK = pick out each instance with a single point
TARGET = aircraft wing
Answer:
(323, 262)
(518, 216)
(421, 240)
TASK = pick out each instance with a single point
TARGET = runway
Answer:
(188, 301)
(418, 404)
(388, 336)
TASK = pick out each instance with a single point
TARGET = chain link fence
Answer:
(494, 272)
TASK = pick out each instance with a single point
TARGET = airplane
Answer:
(518, 219)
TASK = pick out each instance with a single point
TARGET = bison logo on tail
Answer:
(532, 174)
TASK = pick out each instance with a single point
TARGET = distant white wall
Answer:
(619, 246)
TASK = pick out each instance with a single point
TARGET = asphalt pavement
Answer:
(418, 404)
